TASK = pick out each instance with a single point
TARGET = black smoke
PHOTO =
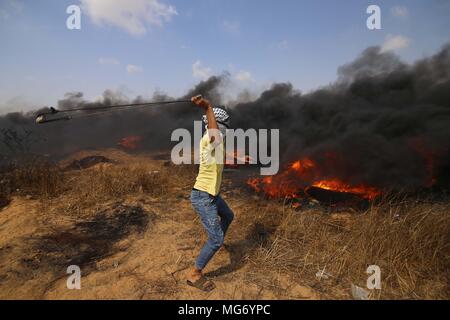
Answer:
(383, 122)
(154, 124)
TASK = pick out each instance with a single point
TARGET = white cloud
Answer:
(108, 61)
(392, 43)
(400, 11)
(133, 69)
(9, 8)
(244, 77)
(283, 44)
(200, 71)
(231, 27)
(16, 5)
(134, 16)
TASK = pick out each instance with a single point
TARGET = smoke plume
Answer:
(383, 122)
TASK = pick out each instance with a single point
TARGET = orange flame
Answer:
(366, 192)
(130, 143)
(302, 174)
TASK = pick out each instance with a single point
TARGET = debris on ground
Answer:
(87, 162)
(359, 293)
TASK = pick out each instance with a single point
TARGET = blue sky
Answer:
(172, 44)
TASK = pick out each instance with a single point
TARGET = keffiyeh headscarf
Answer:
(222, 118)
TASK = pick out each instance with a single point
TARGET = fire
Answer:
(130, 143)
(299, 176)
(369, 193)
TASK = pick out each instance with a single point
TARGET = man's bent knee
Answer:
(216, 243)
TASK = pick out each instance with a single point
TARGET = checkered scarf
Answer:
(222, 118)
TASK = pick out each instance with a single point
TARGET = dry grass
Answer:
(102, 183)
(105, 183)
(409, 241)
(33, 178)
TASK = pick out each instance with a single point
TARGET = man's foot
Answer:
(194, 275)
(196, 279)
(202, 284)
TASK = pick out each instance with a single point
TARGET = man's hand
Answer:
(201, 102)
(212, 123)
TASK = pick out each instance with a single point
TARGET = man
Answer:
(214, 213)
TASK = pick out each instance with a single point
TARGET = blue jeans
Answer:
(216, 217)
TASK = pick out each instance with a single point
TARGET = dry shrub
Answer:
(36, 178)
(110, 182)
(409, 241)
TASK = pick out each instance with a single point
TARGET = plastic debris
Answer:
(359, 293)
(322, 274)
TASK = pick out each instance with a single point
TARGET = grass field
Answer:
(129, 225)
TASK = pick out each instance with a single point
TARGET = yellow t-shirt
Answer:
(209, 175)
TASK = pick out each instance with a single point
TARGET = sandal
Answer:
(202, 284)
